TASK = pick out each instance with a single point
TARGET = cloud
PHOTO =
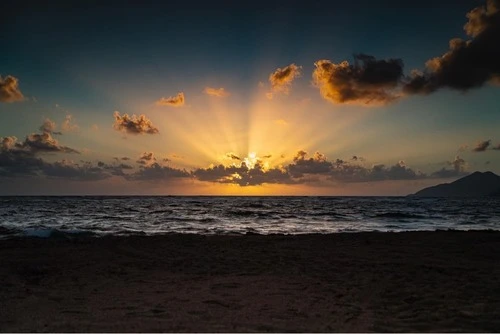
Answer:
(233, 156)
(305, 169)
(173, 101)
(9, 89)
(467, 64)
(134, 125)
(115, 169)
(317, 164)
(146, 158)
(69, 124)
(157, 172)
(242, 175)
(458, 169)
(49, 126)
(44, 143)
(67, 169)
(281, 79)
(20, 159)
(217, 92)
(482, 146)
(367, 82)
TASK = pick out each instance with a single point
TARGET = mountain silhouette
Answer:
(476, 184)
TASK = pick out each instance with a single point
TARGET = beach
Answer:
(349, 282)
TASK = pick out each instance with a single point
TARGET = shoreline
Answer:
(350, 282)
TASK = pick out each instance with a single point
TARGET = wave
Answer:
(400, 215)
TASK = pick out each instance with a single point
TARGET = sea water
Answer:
(44, 216)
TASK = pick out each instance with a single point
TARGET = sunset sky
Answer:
(317, 98)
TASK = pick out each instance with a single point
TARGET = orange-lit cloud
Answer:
(367, 82)
(217, 92)
(9, 89)
(49, 126)
(173, 101)
(134, 125)
(281, 79)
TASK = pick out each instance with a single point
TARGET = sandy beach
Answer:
(413, 281)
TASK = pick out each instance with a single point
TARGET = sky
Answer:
(258, 98)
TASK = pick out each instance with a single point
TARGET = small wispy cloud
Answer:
(217, 92)
(173, 101)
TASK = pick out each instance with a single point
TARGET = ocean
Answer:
(92, 215)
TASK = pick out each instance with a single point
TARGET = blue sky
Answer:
(77, 63)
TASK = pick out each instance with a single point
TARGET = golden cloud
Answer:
(173, 101)
(217, 92)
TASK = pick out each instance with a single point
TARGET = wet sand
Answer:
(412, 281)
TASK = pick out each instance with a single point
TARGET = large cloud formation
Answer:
(173, 101)
(23, 159)
(281, 79)
(217, 92)
(9, 89)
(243, 175)
(468, 64)
(368, 81)
(134, 125)
(306, 169)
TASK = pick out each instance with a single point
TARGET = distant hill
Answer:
(476, 184)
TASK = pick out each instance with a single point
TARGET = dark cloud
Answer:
(146, 158)
(9, 89)
(305, 169)
(233, 156)
(173, 101)
(281, 79)
(114, 169)
(317, 164)
(368, 81)
(357, 158)
(122, 158)
(346, 171)
(35, 143)
(468, 64)
(134, 125)
(242, 175)
(157, 172)
(15, 162)
(458, 169)
(482, 146)
(44, 143)
(73, 171)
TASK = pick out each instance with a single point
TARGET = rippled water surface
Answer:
(42, 216)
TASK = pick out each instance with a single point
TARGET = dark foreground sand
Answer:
(414, 281)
